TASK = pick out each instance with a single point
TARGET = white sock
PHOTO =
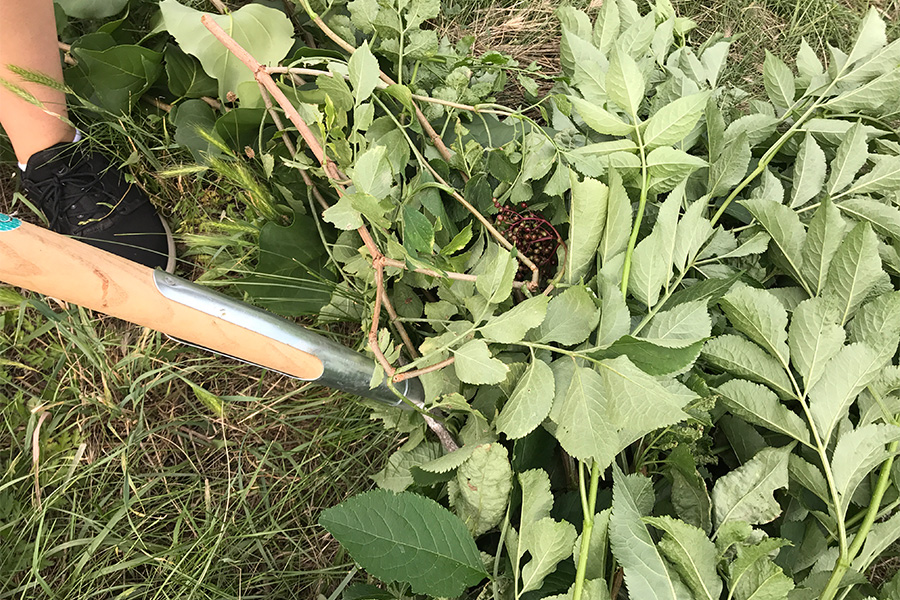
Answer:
(24, 166)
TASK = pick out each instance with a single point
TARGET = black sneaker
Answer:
(84, 196)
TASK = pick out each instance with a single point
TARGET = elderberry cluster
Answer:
(531, 234)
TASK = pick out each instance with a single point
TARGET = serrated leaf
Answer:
(343, 215)
(674, 121)
(853, 272)
(761, 317)
(693, 555)
(851, 155)
(474, 364)
(646, 573)
(588, 68)
(689, 495)
(450, 461)
(788, 233)
(618, 219)
(883, 218)
(418, 232)
(480, 491)
(856, 454)
(760, 406)
(877, 324)
(871, 97)
(809, 172)
(779, 81)
(266, 33)
(669, 166)
(530, 402)
(653, 257)
(846, 375)
(809, 476)
(680, 326)
(745, 494)
(694, 229)
(882, 179)
(872, 35)
(571, 316)
(584, 429)
(586, 223)
(729, 168)
(880, 538)
(600, 120)
(364, 73)
(548, 542)
(606, 26)
(459, 241)
(708, 289)
(625, 83)
(653, 358)
(808, 64)
(372, 172)
(495, 274)
(407, 537)
(824, 237)
(757, 126)
(510, 327)
(743, 358)
(755, 576)
(397, 473)
(814, 338)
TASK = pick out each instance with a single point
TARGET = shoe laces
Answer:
(71, 193)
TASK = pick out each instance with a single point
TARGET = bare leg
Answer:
(28, 40)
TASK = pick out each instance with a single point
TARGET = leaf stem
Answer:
(587, 529)
(645, 186)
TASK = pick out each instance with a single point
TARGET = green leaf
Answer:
(814, 338)
(755, 576)
(606, 26)
(595, 566)
(877, 324)
(779, 81)
(264, 32)
(600, 120)
(372, 172)
(680, 326)
(674, 121)
(824, 237)
(669, 166)
(743, 358)
(757, 126)
(495, 274)
(653, 258)
(809, 476)
(729, 169)
(571, 316)
(459, 241)
(745, 494)
(760, 316)
(846, 375)
(343, 215)
(364, 73)
(511, 326)
(884, 177)
(872, 36)
(548, 542)
(530, 402)
(586, 222)
(118, 76)
(212, 402)
(418, 232)
(449, 462)
(589, 66)
(694, 229)
(851, 155)
(584, 428)
(856, 454)
(689, 495)
(409, 538)
(709, 289)
(883, 218)
(693, 555)
(625, 83)
(192, 117)
(872, 97)
(474, 364)
(91, 9)
(788, 233)
(809, 172)
(653, 358)
(646, 573)
(185, 76)
(853, 272)
(420, 11)
(880, 538)
(808, 64)
(480, 491)
(618, 219)
(397, 473)
(760, 406)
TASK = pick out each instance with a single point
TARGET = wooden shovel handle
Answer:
(58, 266)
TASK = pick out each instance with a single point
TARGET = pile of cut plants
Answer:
(656, 318)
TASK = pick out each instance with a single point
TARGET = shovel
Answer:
(55, 265)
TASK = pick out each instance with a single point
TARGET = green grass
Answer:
(144, 491)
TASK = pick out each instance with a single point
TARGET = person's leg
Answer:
(28, 40)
